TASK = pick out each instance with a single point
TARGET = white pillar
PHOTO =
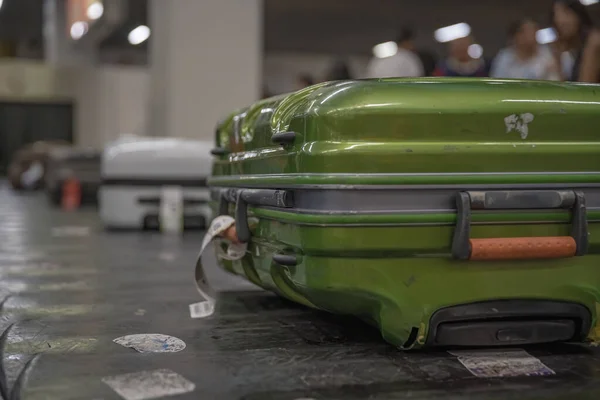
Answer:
(58, 46)
(205, 60)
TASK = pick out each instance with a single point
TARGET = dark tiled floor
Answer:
(68, 296)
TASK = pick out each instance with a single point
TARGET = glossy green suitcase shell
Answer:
(372, 198)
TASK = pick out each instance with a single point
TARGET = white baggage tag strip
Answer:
(235, 251)
(501, 364)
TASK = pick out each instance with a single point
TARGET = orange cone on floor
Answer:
(71, 194)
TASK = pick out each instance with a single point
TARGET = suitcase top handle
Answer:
(465, 248)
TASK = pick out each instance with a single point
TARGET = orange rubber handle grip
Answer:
(523, 248)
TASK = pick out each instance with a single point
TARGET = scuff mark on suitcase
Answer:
(410, 281)
(519, 123)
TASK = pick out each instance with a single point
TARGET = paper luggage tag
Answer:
(235, 251)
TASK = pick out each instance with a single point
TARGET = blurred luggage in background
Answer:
(67, 163)
(146, 179)
(27, 169)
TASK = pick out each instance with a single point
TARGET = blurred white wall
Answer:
(27, 80)
(110, 101)
(205, 58)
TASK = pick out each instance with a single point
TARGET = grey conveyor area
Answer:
(68, 292)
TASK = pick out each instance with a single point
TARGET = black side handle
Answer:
(287, 260)
(241, 219)
(259, 197)
(284, 138)
(461, 248)
(219, 151)
(579, 228)
(513, 200)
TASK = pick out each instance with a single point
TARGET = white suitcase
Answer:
(137, 171)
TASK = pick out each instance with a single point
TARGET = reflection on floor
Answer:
(68, 289)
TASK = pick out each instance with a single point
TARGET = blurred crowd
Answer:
(574, 55)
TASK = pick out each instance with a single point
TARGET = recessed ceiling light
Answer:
(545, 36)
(95, 10)
(475, 51)
(139, 35)
(78, 29)
(452, 32)
(387, 49)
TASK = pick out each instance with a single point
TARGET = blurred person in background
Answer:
(266, 93)
(577, 46)
(524, 58)
(339, 71)
(405, 63)
(428, 60)
(304, 80)
(459, 62)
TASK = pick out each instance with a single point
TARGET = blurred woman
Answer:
(459, 62)
(524, 58)
(303, 81)
(339, 71)
(577, 47)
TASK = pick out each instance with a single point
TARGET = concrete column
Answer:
(205, 61)
(58, 47)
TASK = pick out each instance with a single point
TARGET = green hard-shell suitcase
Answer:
(447, 212)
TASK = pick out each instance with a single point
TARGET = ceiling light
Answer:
(139, 35)
(588, 2)
(545, 36)
(387, 49)
(452, 32)
(78, 29)
(1, 1)
(475, 51)
(95, 10)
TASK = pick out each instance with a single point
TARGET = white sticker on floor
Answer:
(167, 257)
(71, 231)
(499, 364)
(149, 384)
(151, 343)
